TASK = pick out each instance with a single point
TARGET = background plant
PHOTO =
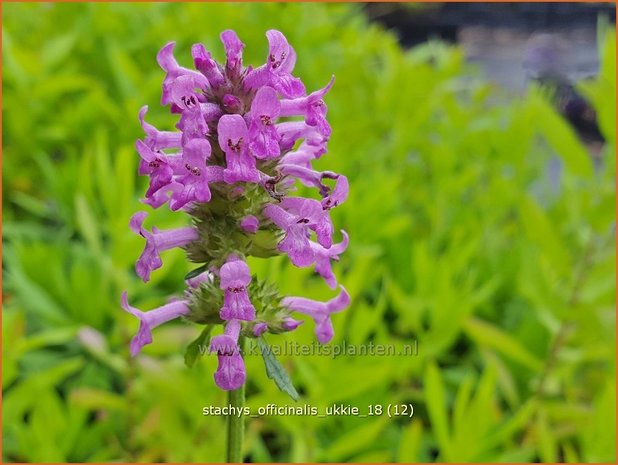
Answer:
(482, 229)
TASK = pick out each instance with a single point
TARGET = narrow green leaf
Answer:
(435, 397)
(546, 441)
(97, 399)
(87, 223)
(196, 272)
(410, 443)
(348, 442)
(542, 231)
(561, 137)
(511, 426)
(486, 334)
(57, 49)
(195, 348)
(275, 371)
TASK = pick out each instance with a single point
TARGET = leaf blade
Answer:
(275, 371)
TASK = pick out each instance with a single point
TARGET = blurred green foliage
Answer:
(480, 227)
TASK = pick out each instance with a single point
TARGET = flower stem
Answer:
(236, 422)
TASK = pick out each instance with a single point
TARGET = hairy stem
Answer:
(236, 422)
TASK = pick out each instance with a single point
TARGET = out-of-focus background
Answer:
(481, 217)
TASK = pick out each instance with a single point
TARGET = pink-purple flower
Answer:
(233, 140)
(150, 320)
(265, 109)
(158, 165)
(338, 195)
(230, 374)
(277, 72)
(296, 216)
(320, 312)
(173, 70)
(312, 107)
(323, 257)
(233, 53)
(235, 277)
(196, 175)
(155, 139)
(156, 242)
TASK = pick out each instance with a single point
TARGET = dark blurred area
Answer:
(416, 23)
(551, 44)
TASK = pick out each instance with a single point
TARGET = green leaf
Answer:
(598, 438)
(561, 137)
(542, 231)
(275, 371)
(410, 442)
(486, 334)
(57, 49)
(97, 399)
(435, 397)
(87, 224)
(347, 443)
(195, 348)
(196, 272)
(546, 440)
(512, 425)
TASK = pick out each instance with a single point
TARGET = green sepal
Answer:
(205, 303)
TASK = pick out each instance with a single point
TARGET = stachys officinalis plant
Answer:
(246, 136)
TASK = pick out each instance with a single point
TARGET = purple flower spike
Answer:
(264, 139)
(320, 312)
(250, 224)
(196, 175)
(233, 52)
(311, 107)
(324, 256)
(157, 242)
(173, 70)
(230, 374)
(150, 320)
(235, 277)
(233, 135)
(233, 166)
(155, 139)
(339, 194)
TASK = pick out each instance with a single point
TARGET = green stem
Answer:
(236, 423)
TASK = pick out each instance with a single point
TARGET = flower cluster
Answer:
(245, 136)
